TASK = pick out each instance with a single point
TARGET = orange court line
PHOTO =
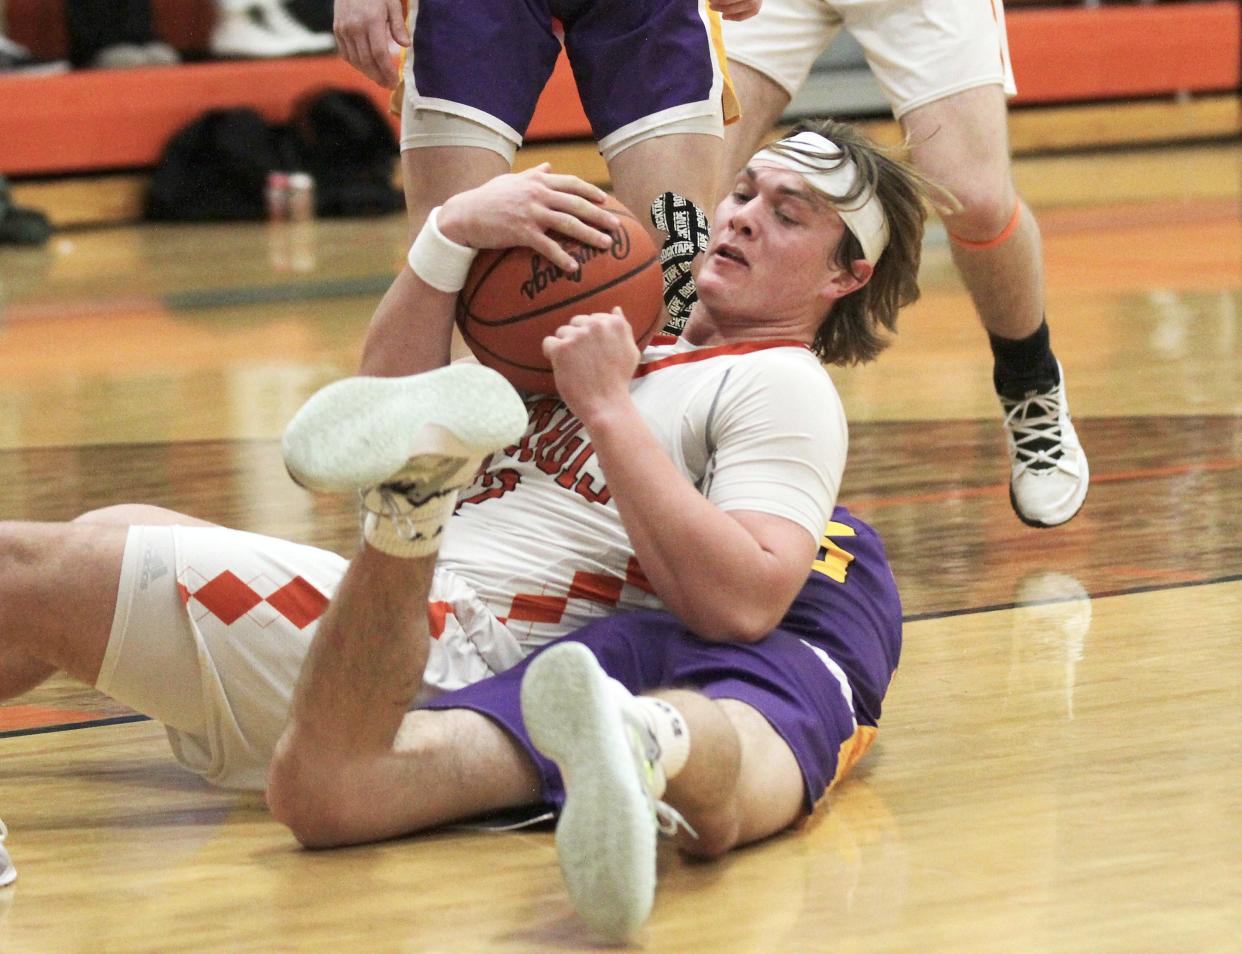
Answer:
(34, 717)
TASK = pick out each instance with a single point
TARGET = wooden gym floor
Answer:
(1059, 767)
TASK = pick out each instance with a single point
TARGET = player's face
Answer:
(773, 248)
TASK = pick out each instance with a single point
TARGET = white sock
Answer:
(392, 525)
(671, 731)
(661, 718)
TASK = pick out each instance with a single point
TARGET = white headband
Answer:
(836, 177)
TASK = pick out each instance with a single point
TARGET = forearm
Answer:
(709, 569)
(411, 329)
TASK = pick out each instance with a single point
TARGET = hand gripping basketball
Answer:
(688, 235)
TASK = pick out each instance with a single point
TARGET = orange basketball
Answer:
(514, 298)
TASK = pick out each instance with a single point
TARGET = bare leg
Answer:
(341, 773)
(763, 102)
(741, 782)
(353, 765)
(961, 142)
(688, 164)
(58, 585)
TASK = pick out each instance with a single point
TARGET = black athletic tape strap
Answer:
(688, 234)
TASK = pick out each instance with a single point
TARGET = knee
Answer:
(307, 796)
(985, 208)
(17, 551)
(126, 515)
(714, 834)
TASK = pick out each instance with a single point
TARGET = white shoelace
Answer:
(668, 819)
(1035, 422)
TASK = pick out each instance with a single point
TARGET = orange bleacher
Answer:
(96, 120)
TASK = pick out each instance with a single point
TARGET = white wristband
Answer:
(439, 261)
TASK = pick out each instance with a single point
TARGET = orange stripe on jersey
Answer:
(635, 576)
(596, 587)
(537, 609)
(1000, 46)
(742, 347)
(398, 95)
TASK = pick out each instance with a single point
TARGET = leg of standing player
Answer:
(950, 98)
(688, 164)
(763, 102)
(961, 142)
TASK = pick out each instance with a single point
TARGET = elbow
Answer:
(739, 624)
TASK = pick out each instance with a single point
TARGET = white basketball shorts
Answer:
(918, 51)
(212, 625)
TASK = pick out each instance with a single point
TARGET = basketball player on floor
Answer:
(945, 69)
(655, 525)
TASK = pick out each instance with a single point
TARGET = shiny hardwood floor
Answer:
(1059, 766)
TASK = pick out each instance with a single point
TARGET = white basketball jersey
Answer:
(754, 426)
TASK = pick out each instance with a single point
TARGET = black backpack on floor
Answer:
(216, 168)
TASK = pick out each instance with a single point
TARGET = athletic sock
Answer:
(667, 726)
(1023, 365)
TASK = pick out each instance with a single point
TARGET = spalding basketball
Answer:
(514, 298)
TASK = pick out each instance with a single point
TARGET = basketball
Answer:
(514, 298)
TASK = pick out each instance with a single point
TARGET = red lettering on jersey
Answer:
(569, 475)
(559, 443)
(495, 484)
(585, 488)
(539, 417)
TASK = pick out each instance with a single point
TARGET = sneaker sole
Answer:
(606, 835)
(358, 432)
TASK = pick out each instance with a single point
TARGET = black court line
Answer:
(207, 298)
(68, 726)
(912, 618)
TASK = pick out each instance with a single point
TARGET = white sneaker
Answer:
(265, 31)
(360, 432)
(1048, 477)
(407, 445)
(609, 761)
(8, 874)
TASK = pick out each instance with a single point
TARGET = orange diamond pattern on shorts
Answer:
(228, 598)
(299, 602)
